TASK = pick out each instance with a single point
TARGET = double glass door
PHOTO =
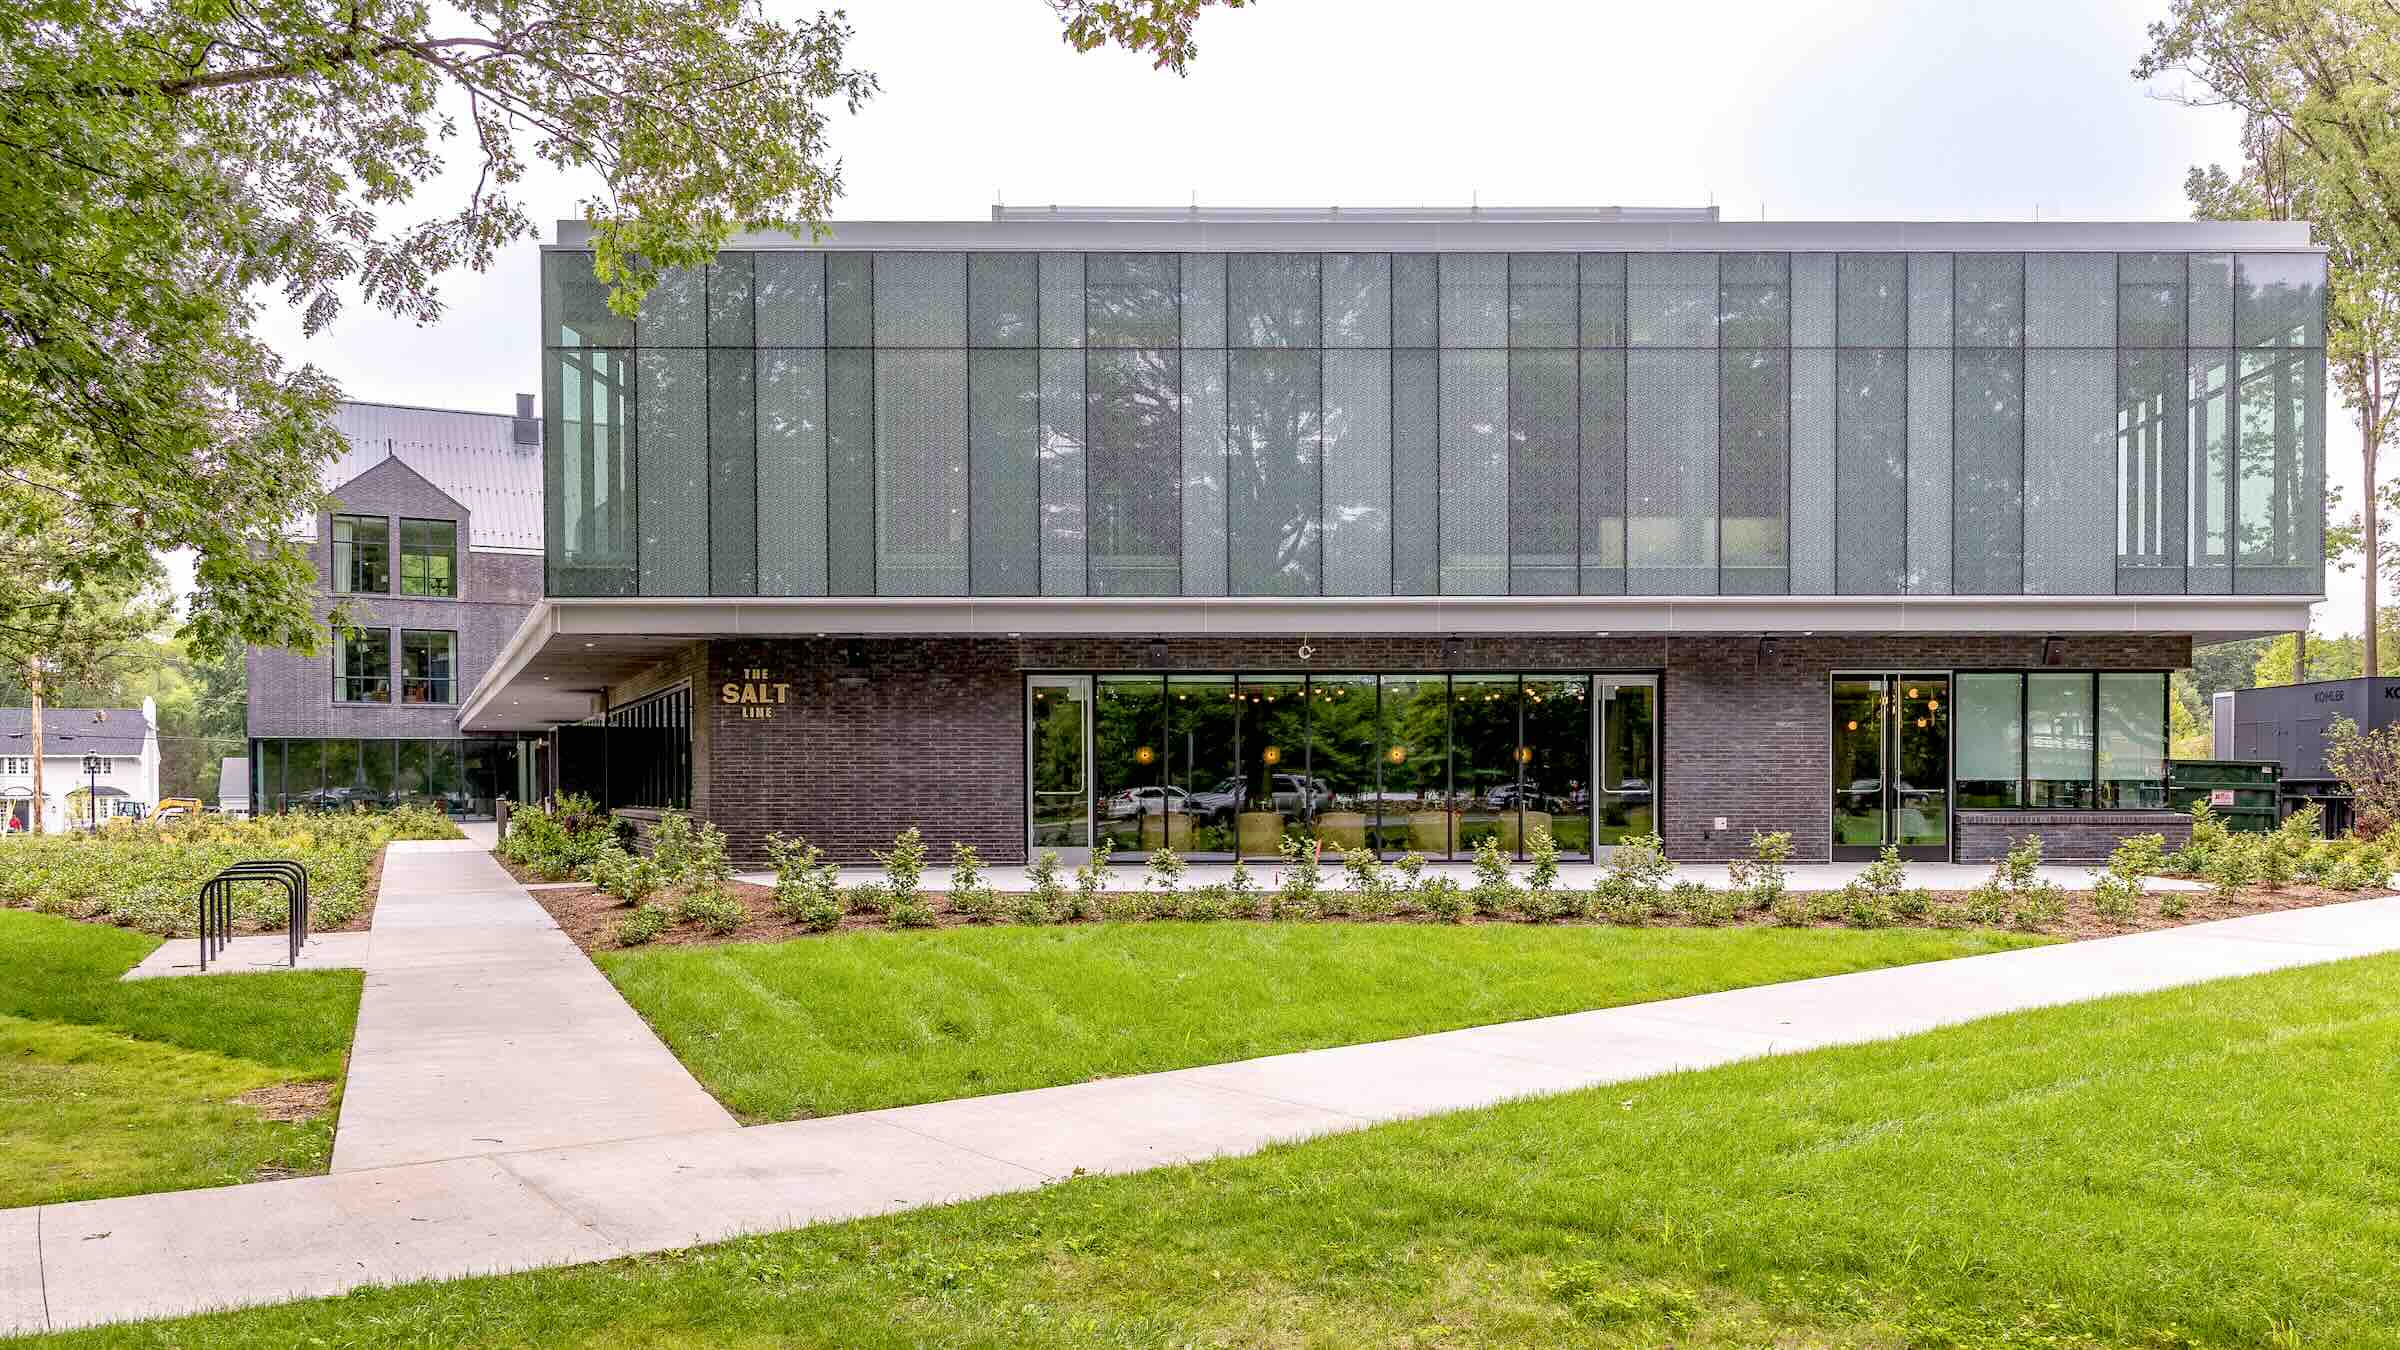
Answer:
(1891, 765)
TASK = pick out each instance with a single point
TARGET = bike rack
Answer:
(216, 903)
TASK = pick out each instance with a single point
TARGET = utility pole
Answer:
(33, 685)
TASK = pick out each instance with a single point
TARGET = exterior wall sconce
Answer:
(2054, 651)
(1158, 651)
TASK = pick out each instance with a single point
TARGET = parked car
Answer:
(1147, 801)
(1289, 793)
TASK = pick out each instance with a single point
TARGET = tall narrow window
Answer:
(362, 555)
(362, 666)
(2058, 740)
(428, 667)
(1991, 740)
(429, 558)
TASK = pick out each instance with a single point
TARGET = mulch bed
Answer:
(590, 916)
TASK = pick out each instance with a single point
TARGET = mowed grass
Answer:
(2206, 1166)
(859, 1021)
(109, 1088)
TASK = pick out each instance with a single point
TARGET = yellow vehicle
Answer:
(177, 808)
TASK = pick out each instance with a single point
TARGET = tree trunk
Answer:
(2300, 656)
(33, 686)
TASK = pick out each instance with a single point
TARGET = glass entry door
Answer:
(1058, 768)
(1891, 765)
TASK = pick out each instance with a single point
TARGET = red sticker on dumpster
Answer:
(2220, 796)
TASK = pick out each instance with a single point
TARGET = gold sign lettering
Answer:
(757, 694)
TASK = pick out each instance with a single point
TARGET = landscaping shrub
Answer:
(1495, 890)
(2139, 856)
(645, 923)
(148, 875)
(1880, 894)
(631, 879)
(1045, 898)
(1300, 884)
(808, 889)
(1545, 898)
(671, 847)
(2117, 892)
(2367, 763)
(713, 908)
(2209, 833)
(1241, 891)
(1164, 881)
(903, 873)
(2017, 894)
(971, 895)
(1637, 870)
(1370, 892)
(1444, 899)
(1408, 883)
(1091, 882)
(2173, 904)
(1760, 878)
(558, 840)
(2233, 865)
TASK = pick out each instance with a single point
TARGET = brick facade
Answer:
(2067, 836)
(931, 731)
(291, 693)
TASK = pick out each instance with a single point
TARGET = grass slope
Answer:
(865, 1020)
(2206, 1166)
(108, 1088)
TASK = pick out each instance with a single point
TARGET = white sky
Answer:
(1985, 109)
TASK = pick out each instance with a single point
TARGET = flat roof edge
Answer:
(1546, 235)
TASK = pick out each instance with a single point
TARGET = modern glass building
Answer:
(1404, 529)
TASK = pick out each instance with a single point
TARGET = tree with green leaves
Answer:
(167, 167)
(67, 612)
(2313, 80)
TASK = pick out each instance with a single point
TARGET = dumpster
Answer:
(2243, 792)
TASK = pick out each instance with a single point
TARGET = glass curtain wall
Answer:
(1222, 766)
(459, 777)
(795, 422)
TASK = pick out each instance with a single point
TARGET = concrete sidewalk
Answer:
(252, 953)
(483, 1029)
(160, 1255)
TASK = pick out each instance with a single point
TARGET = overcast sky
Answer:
(1962, 109)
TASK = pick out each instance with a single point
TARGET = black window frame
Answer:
(407, 550)
(346, 685)
(2091, 675)
(661, 779)
(346, 558)
(446, 684)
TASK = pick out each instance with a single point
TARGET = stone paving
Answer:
(251, 954)
(493, 1148)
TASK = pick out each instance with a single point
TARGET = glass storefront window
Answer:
(1415, 739)
(1128, 737)
(1991, 739)
(2133, 739)
(2058, 740)
(1278, 796)
(1485, 762)
(1557, 761)
(1204, 760)
(1341, 757)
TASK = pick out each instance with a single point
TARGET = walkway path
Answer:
(527, 1202)
(484, 1030)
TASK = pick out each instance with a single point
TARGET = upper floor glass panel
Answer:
(792, 422)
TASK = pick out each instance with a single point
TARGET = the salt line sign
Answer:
(758, 694)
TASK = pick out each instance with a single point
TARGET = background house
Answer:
(124, 739)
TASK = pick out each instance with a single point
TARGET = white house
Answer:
(123, 772)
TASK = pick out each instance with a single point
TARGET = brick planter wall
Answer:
(2067, 836)
(930, 731)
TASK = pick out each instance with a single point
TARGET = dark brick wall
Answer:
(291, 694)
(930, 731)
(2067, 836)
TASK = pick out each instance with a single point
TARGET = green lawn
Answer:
(108, 1088)
(2206, 1166)
(862, 1020)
